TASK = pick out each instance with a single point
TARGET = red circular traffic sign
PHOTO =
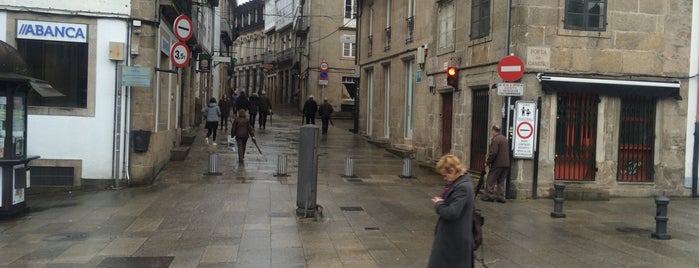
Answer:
(525, 130)
(183, 28)
(510, 68)
(179, 54)
(324, 66)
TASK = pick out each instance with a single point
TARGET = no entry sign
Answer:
(183, 28)
(510, 68)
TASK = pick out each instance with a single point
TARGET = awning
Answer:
(41, 87)
(45, 89)
(550, 84)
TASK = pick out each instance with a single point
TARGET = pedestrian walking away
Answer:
(241, 130)
(234, 99)
(325, 110)
(265, 109)
(254, 101)
(498, 162)
(225, 106)
(243, 103)
(212, 114)
(310, 108)
(453, 235)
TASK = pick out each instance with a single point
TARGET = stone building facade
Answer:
(610, 80)
(249, 46)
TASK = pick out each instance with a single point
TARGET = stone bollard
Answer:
(661, 218)
(349, 167)
(213, 165)
(281, 166)
(407, 169)
(558, 201)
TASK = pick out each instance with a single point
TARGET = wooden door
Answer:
(447, 109)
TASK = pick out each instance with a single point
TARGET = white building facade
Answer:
(72, 52)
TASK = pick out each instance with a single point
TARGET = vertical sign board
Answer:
(525, 127)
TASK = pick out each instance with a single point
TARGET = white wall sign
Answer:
(525, 129)
(51, 31)
(17, 194)
(538, 58)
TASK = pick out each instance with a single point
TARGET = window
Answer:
(480, 18)
(636, 139)
(350, 13)
(446, 25)
(586, 15)
(409, 97)
(63, 65)
(349, 49)
(349, 9)
(410, 20)
(371, 32)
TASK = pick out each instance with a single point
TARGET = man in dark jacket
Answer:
(498, 161)
(310, 108)
(325, 111)
(265, 108)
(242, 103)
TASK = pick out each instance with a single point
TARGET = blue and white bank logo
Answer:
(53, 31)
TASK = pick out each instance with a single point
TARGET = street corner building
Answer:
(126, 102)
(604, 98)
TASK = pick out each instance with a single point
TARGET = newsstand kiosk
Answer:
(14, 162)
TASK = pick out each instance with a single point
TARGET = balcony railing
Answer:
(411, 27)
(387, 31)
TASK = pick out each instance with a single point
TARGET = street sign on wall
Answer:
(525, 129)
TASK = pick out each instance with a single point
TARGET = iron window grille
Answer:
(636, 139)
(387, 31)
(411, 27)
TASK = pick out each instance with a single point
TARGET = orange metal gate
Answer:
(576, 129)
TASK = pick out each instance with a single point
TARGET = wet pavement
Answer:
(246, 217)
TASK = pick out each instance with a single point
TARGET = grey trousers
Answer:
(495, 184)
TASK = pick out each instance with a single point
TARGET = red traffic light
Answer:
(453, 77)
(451, 71)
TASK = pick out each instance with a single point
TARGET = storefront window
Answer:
(63, 65)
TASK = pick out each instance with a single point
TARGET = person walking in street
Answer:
(498, 161)
(241, 130)
(212, 114)
(453, 237)
(242, 103)
(325, 111)
(310, 108)
(234, 99)
(254, 101)
(225, 107)
(265, 109)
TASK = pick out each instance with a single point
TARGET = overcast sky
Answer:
(240, 2)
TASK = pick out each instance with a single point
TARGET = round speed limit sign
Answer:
(179, 53)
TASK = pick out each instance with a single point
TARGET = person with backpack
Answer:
(453, 244)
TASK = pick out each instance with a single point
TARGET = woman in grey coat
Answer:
(212, 114)
(453, 235)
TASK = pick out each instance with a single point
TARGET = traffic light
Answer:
(453, 77)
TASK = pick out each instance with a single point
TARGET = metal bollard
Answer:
(281, 166)
(661, 218)
(407, 168)
(349, 167)
(213, 165)
(558, 201)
